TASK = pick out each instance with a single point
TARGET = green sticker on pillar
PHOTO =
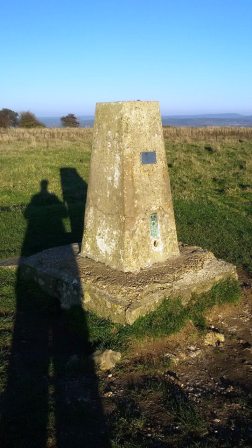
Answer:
(154, 230)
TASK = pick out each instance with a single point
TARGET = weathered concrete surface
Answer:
(129, 219)
(124, 296)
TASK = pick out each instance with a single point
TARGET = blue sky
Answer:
(194, 56)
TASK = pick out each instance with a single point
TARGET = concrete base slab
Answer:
(123, 296)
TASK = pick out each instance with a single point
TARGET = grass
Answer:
(210, 172)
(182, 418)
(212, 190)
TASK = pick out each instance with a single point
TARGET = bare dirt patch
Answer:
(203, 397)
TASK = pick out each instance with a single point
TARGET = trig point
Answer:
(129, 219)
(130, 260)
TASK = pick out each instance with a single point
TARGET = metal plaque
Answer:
(154, 230)
(148, 157)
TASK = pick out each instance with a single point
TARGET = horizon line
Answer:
(162, 114)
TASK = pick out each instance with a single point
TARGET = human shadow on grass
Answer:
(44, 215)
(74, 191)
(51, 397)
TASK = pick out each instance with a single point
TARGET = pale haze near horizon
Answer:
(193, 57)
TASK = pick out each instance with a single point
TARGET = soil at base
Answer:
(203, 399)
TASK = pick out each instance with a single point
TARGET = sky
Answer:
(193, 56)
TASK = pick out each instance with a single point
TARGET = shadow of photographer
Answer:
(51, 397)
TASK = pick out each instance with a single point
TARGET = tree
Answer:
(29, 120)
(8, 118)
(70, 121)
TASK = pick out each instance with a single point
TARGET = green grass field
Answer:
(211, 180)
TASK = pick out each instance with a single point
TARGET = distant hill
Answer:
(208, 120)
(227, 115)
(171, 120)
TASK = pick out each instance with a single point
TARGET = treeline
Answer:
(11, 119)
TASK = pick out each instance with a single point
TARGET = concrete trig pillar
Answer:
(129, 219)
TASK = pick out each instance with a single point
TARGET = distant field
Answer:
(210, 171)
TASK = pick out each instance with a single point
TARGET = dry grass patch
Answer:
(213, 133)
(174, 134)
(46, 135)
(158, 352)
